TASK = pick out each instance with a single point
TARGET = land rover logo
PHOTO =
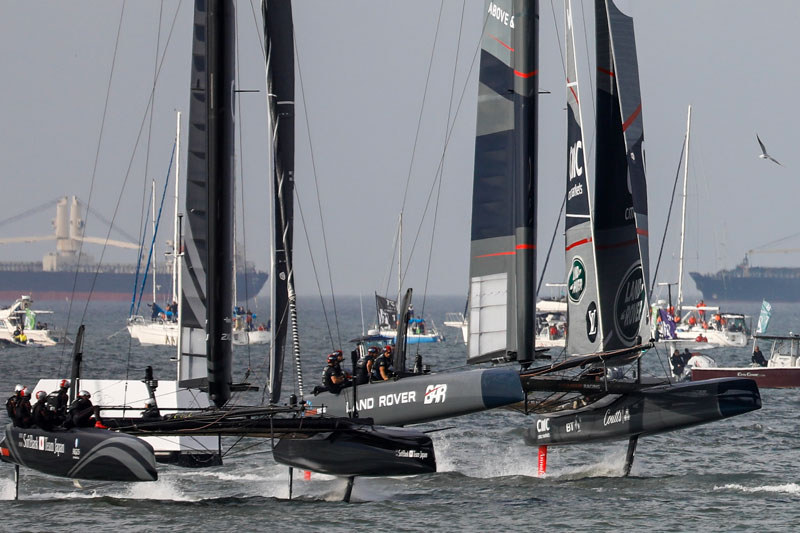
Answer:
(591, 321)
(629, 304)
(576, 281)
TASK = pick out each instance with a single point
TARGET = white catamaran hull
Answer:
(244, 338)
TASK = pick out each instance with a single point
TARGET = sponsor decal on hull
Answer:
(617, 417)
(41, 444)
(543, 428)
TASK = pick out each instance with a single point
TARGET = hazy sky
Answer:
(363, 66)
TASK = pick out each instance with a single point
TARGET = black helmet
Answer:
(41, 395)
(373, 349)
(333, 358)
(84, 394)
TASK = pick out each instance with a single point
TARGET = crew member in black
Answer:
(80, 411)
(758, 357)
(11, 403)
(365, 364)
(686, 356)
(59, 400)
(44, 414)
(151, 411)
(676, 360)
(22, 411)
(382, 368)
(333, 378)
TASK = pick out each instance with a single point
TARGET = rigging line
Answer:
(127, 175)
(314, 267)
(588, 63)
(94, 168)
(109, 223)
(441, 173)
(422, 107)
(30, 212)
(558, 39)
(669, 212)
(449, 136)
(391, 261)
(259, 33)
(239, 119)
(316, 186)
(550, 248)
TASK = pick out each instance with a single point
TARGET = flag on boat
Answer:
(667, 324)
(763, 318)
(30, 319)
(387, 311)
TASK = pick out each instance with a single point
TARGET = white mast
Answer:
(175, 250)
(399, 256)
(683, 215)
(153, 199)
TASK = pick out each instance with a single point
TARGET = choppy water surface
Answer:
(737, 475)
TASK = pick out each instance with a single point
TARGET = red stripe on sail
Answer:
(526, 247)
(572, 90)
(526, 74)
(578, 243)
(501, 42)
(632, 118)
(604, 71)
(640, 231)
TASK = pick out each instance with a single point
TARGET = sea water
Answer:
(739, 474)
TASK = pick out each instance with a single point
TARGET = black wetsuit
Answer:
(44, 415)
(383, 361)
(11, 405)
(327, 378)
(362, 372)
(758, 358)
(22, 413)
(80, 413)
(676, 360)
(59, 400)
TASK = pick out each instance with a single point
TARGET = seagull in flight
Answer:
(764, 154)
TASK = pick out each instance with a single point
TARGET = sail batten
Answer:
(503, 247)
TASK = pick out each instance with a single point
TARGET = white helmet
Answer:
(18, 388)
(149, 402)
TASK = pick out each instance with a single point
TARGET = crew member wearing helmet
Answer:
(151, 411)
(365, 364)
(44, 414)
(59, 400)
(11, 403)
(80, 411)
(382, 368)
(22, 412)
(333, 378)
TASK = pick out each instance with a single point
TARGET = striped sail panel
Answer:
(621, 287)
(208, 262)
(504, 187)
(583, 335)
(192, 366)
(623, 44)
(279, 39)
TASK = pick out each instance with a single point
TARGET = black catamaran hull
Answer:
(652, 410)
(426, 397)
(85, 453)
(360, 451)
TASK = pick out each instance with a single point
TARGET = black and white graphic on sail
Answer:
(503, 242)
(584, 335)
(620, 203)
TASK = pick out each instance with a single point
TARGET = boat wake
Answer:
(788, 488)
